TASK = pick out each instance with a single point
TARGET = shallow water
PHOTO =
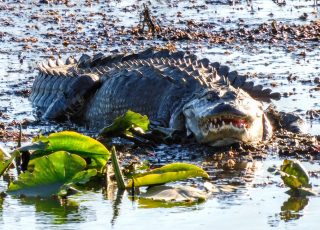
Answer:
(253, 205)
(257, 204)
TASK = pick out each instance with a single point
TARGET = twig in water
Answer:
(147, 19)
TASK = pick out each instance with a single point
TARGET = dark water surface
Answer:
(31, 32)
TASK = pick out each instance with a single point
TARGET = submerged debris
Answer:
(267, 33)
(313, 114)
(151, 22)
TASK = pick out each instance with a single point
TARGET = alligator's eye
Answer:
(230, 95)
(212, 96)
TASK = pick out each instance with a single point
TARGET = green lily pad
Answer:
(124, 123)
(75, 143)
(294, 175)
(167, 173)
(48, 174)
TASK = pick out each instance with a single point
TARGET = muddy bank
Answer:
(275, 45)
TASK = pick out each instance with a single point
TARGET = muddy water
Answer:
(30, 32)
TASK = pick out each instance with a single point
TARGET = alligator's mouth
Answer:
(230, 122)
(224, 121)
(225, 129)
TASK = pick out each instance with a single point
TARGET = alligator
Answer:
(175, 90)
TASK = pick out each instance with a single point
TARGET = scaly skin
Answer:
(175, 90)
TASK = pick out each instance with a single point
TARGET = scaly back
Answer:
(103, 85)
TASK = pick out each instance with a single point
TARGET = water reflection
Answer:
(148, 203)
(1, 203)
(116, 205)
(55, 211)
(291, 209)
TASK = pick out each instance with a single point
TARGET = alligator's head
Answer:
(224, 117)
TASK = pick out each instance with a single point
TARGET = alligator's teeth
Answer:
(214, 120)
(223, 123)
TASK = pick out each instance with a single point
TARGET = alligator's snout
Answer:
(225, 108)
(225, 120)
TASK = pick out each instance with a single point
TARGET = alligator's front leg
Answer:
(288, 121)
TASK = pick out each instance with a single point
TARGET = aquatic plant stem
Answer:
(20, 135)
(117, 171)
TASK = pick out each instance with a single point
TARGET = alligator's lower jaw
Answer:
(224, 136)
(224, 142)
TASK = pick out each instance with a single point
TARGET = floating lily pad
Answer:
(76, 143)
(46, 175)
(167, 173)
(175, 194)
(122, 124)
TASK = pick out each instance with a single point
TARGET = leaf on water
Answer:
(80, 178)
(46, 175)
(6, 159)
(122, 124)
(83, 176)
(3, 154)
(76, 143)
(34, 146)
(6, 164)
(167, 173)
(294, 175)
(174, 194)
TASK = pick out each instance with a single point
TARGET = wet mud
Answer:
(275, 43)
